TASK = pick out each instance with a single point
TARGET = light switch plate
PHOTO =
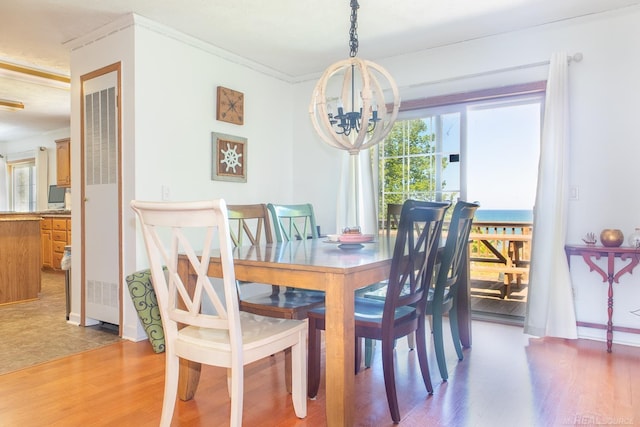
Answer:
(573, 193)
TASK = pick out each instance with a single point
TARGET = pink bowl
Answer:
(356, 238)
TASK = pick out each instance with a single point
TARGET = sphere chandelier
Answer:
(348, 108)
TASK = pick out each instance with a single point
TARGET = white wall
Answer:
(168, 113)
(90, 53)
(604, 89)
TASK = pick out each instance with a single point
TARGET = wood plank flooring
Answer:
(506, 379)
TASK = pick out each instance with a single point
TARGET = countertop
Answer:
(12, 216)
(54, 213)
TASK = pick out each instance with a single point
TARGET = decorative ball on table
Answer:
(611, 237)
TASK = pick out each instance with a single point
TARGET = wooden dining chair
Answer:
(443, 295)
(403, 309)
(250, 224)
(226, 337)
(379, 290)
(290, 222)
(393, 219)
(281, 302)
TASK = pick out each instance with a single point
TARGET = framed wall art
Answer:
(228, 157)
(230, 106)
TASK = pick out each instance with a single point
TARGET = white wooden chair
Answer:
(228, 338)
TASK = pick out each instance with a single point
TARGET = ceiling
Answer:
(294, 38)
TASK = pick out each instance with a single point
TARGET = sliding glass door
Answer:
(485, 151)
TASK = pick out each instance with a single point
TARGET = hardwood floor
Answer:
(506, 379)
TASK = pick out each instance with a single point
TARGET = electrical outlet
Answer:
(165, 193)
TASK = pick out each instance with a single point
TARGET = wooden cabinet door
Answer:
(63, 162)
(47, 248)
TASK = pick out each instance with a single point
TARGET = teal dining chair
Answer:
(403, 309)
(444, 297)
(293, 222)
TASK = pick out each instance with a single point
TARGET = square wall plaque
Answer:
(229, 157)
(230, 106)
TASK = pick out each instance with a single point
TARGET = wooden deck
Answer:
(502, 248)
(487, 302)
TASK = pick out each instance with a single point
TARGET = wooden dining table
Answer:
(316, 264)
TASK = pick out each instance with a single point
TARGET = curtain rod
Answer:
(577, 57)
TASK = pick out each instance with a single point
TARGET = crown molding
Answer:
(134, 20)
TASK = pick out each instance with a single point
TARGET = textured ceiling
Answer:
(294, 38)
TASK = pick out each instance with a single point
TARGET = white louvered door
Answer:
(102, 235)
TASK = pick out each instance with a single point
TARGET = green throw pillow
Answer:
(146, 304)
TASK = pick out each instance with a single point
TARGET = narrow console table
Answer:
(590, 254)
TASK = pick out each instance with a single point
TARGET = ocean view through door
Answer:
(503, 151)
(479, 151)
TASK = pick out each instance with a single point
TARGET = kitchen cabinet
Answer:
(46, 242)
(55, 232)
(63, 162)
(19, 258)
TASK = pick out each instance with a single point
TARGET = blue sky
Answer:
(503, 151)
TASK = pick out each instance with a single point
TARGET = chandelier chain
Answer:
(353, 31)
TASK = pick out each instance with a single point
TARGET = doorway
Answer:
(483, 147)
(101, 189)
(503, 142)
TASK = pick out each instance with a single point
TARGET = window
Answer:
(22, 177)
(419, 160)
(437, 144)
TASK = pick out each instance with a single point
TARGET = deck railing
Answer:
(502, 248)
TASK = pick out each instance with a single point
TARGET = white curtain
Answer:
(42, 178)
(4, 189)
(550, 306)
(356, 204)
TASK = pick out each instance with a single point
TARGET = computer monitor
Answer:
(56, 197)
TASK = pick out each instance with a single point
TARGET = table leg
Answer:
(188, 379)
(339, 342)
(610, 317)
(189, 372)
(610, 279)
